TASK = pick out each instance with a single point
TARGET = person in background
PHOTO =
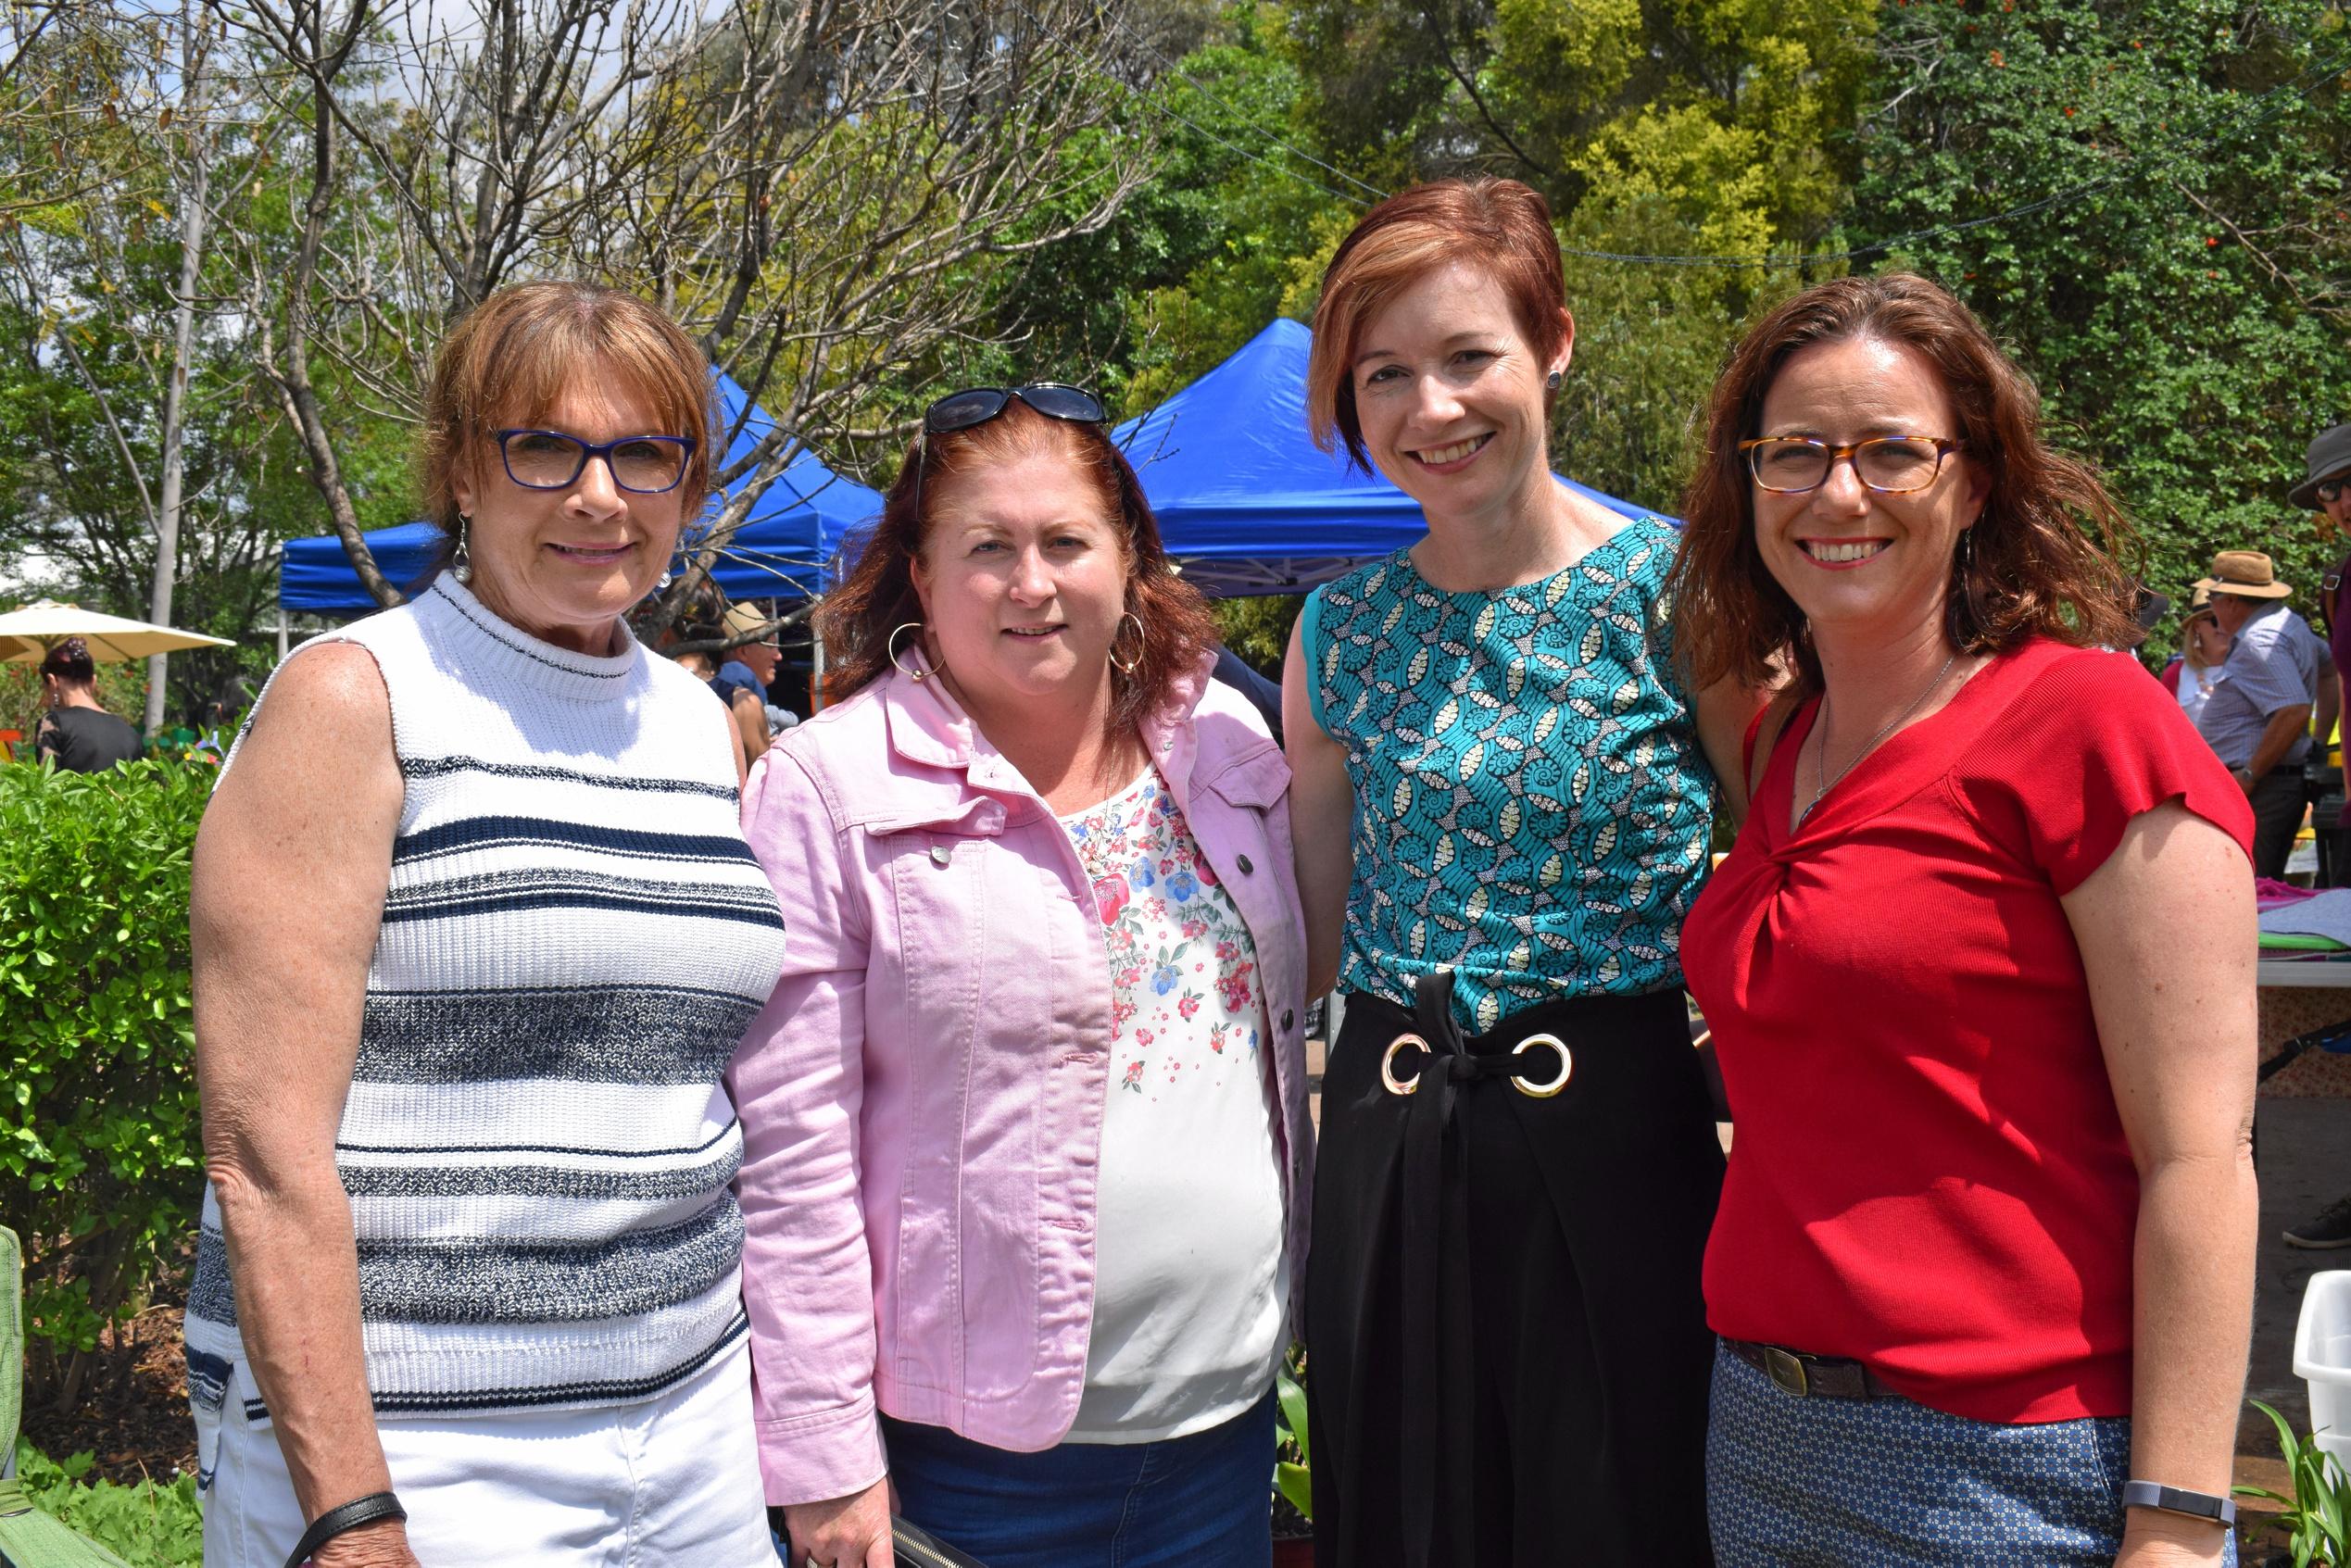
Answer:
(1028, 1146)
(1262, 693)
(476, 935)
(750, 666)
(2256, 718)
(703, 668)
(76, 732)
(1980, 973)
(1507, 792)
(2326, 489)
(2204, 647)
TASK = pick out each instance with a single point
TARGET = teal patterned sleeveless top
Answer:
(1532, 805)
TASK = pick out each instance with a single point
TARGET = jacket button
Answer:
(1242, 861)
(1286, 1020)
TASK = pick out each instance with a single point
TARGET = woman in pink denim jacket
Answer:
(1027, 1150)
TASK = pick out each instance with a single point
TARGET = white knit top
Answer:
(537, 1144)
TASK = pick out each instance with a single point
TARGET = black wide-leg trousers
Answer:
(1507, 1351)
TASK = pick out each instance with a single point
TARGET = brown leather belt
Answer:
(1825, 1377)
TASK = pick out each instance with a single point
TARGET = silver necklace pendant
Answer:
(1820, 760)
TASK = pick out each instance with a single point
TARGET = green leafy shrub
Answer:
(2317, 1519)
(156, 1524)
(99, 1141)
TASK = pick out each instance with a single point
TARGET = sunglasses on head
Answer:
(977, 405)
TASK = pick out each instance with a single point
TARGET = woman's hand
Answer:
(2155, 1539)
(384, 1544)
(851, 1532)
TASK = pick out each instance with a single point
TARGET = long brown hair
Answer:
(857, 618)
(2032, 569)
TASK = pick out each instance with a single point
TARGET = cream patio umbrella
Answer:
(27, 634)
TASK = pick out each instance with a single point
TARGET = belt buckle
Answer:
(1786, 1370)
(1387, 1079)
(1558, 1081)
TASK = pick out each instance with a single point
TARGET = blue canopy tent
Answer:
(1245, 500)
(779, 551)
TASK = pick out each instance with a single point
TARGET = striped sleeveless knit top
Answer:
(537, 1144)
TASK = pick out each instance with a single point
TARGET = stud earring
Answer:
(461, 563)
(1551, 381)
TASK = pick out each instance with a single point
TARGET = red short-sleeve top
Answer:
(1929, 1172)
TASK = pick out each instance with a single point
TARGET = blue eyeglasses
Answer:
(548, 459)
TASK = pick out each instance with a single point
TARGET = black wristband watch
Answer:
(343, 1517)
(2173, 1500)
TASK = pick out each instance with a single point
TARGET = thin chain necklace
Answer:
(1820, 762)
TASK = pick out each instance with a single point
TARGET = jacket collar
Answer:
(928, 726)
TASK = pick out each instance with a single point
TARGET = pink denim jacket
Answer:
(922, 1100)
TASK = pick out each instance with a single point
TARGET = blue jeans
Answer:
(1199, 1501)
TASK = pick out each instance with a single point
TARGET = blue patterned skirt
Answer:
(1816, 1483)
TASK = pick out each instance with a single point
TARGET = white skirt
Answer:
(669, 1482)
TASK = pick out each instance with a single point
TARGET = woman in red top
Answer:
(1985, 1248)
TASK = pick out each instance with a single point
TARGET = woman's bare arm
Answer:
(1724, 711)
(290, 868)
(2166, 932)
(1322, 817)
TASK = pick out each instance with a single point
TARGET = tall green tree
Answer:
(2184, 295)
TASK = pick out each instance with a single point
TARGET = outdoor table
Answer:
(2297, 996)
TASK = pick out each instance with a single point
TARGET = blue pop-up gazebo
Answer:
(1245, 500)
(778, 553)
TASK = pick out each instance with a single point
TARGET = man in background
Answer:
(2326, 489)
(751, 666)
(2257, 717)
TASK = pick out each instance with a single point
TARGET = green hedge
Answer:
(100, 1152)
(153, 1524)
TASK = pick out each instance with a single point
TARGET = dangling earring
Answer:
(1967, 549)
(918, 674)
(1551, 381)
(1142, 645)
(461, 563)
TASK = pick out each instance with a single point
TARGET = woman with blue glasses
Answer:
(476, 933)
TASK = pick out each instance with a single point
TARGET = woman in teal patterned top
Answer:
(1517, 1164)
(1526, 773)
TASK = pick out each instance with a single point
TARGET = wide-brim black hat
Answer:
(2329, 457)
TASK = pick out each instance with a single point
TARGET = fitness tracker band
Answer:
(2173, 1500)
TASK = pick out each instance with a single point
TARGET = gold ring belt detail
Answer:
(1530, 1088)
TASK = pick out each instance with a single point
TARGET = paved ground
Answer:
(2304, 1152)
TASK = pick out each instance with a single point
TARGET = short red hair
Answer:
(1496, 224)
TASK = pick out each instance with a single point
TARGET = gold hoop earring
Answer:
(1142, 640)
(918, 675)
